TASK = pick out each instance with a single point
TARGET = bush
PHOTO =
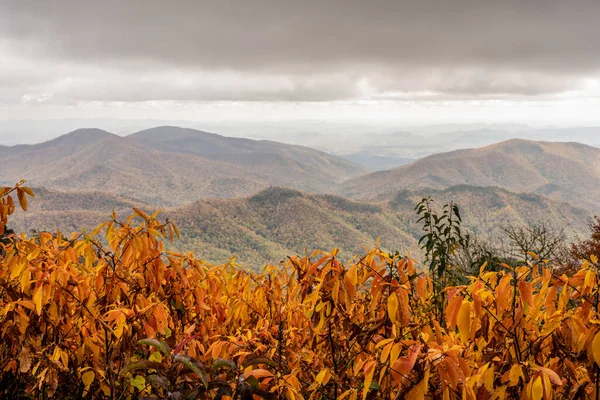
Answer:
(129, 320)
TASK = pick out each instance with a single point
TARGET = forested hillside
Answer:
(184, 166)
(563, 171)
(269, 225)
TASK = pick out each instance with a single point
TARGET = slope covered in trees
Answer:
(183, 166)
(563, 171)
(274, 223)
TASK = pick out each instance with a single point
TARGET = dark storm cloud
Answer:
(298, 50)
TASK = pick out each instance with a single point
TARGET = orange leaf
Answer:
(258, 373)
(22, 199)
(526, 292)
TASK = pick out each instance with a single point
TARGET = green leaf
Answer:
(197, 369)
(255, 360)
(157, 344)
(374, 386)
(222, 363)
(190, 394)
(252, 382)
(158, 381)
(139, 382)
(156, 356)
(145, 364)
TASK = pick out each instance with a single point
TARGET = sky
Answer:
(396, 61)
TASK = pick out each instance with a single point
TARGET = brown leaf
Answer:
(25, 359)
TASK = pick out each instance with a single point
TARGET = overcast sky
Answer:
(428, 60)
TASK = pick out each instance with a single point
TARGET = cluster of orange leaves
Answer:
(7, 203)
(73, 309)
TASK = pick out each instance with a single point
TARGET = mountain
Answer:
(277, 222)
(266, 161)
(171, 166)
(563, 171)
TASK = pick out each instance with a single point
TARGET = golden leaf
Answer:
(420, 389)
(537, 389)
(516, 372)
(464, 321)
(596, 348)
(22, 198)
(87, 378)
(392, 307)
(37, 299)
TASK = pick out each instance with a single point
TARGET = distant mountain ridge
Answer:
(171, 166)
(225, 193)
(276, 222)
(565, 171)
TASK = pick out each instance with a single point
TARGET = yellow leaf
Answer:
(515, 373)
(37, 299)
(384, 342)
(392, 307)
(385, 352)
(323, 376)
(87, 378)
(537, 389)
(369, 371)
(395, 352)
(420, 389)
(141, 213)
(464, 321)
(596, 348)
(489, 379)
(353, 275)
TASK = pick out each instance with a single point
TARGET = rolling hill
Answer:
(563, 171)
(70, 211)
(267, 161)
(171, 166)
(277, 222)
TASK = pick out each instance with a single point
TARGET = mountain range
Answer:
(263, 200)
(169, 166)
(566, 171)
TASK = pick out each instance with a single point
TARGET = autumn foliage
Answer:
(111, 314)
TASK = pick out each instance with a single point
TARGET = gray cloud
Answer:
(312, 50)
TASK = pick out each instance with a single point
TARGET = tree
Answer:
(582, 249)
(541, 239)
(441, 240)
